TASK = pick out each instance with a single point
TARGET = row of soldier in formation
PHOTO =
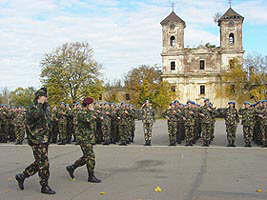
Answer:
(192, 121)
(116, 123)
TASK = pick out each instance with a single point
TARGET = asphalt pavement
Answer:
(137, 172)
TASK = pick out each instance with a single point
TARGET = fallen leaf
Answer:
(9, 179)
(102, 193)
(258, 190)
(157, 189)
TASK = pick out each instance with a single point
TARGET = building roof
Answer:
(173, 18)
(230, 14)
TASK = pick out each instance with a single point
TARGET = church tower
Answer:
(172, 33)
(231, 31)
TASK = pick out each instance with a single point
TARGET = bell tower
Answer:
(172, 33)
(231, 31)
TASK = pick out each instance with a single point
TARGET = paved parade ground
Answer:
(133, 172)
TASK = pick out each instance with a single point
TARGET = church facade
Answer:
(196, 73)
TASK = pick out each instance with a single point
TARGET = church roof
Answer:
(230, 14)
(173, 18)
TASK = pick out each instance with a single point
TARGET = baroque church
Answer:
(196, 73)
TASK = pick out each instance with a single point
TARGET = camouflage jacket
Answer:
(20, 120)
(148, 115)
(123, 116)
(85, 126)
(206, 114)
(37, 124)
(189, 114)
(231, 116)
(171, 115)
(248, 116)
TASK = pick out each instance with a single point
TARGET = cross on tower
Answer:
(173, 5)
(230, 3)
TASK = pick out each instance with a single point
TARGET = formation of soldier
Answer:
(115, 123)
(191, 122)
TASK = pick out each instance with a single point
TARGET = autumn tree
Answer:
(246, 82)
(144, 83)
(70, 73)
(22, 96)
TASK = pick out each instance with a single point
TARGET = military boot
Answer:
(233, 144)
(71, 169)
(20, 178)
(47, 190)
(92, 178)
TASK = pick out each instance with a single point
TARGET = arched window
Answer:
(202, 89)
(172, 65)
(172, 41)
(231, 38)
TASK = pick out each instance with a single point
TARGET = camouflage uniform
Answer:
(106, 125)
(263, 115)
(3, 125)
(122, 116)
(171, 115)
(148, 119)
(54, 126)
(231, 120)
(248, 122)
(37, 128)
(180, 134)
(62, 124)
(189, 123)
(20, 126)
(70, 125)
(206, 125)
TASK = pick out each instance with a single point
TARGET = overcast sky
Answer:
(124, 34)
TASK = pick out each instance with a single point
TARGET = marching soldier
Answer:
(37, 127)
(62, 123)
(85, 136)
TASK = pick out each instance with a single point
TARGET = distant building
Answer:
(195, 73)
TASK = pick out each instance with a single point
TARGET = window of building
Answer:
(100, 97)
(202, 64)
(231, 38)
(202, 89)
(127, 97)
(172, 41)
(173, 88)
(172, 65)
(231, 63)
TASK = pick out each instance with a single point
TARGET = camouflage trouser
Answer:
(54, 132)
(264, 135)
(40, 165)
(189, 134)
(87, 159)
(172, 129)
(147, 131)
(261, 132)
(20, 134)
(231, 132)
(106, 128)
(206, 132)
(212, 129)
(3, 134)
(248, 134)
(62, 128)
(180, 134)
(123, 135)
